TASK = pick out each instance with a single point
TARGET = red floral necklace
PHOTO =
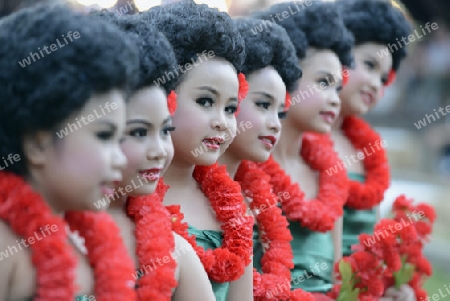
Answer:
(273, 228)
(228, 262)
(108, 256)
(154, 239)
(370, 193)
(26, 213)
(321, 213)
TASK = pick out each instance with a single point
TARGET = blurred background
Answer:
(409, 116)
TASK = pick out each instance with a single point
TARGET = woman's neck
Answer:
(231, 162)
(290, 143)
(179, 174)
(52, 202)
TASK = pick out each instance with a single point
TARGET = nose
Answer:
(156, 150)
(375, 83)
(119, 160)
(274, 123)
(220, 121)
(334, 99)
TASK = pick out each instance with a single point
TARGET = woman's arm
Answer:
(337, 242)
(6, 263)
(242, 289)
(193, 282)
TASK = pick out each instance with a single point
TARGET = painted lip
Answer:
(268, 141)
(328, 116)
(213, 142)
(152, 174)
(368, 98)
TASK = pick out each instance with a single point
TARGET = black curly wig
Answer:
(271, 47)
(314, 24)
(156, 56)
(376, 21)
(193, 28)
(41, 94)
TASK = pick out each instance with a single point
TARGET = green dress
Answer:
(313, 259)
(356, 221)
(210, 239)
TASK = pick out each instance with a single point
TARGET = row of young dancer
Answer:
(242, 214)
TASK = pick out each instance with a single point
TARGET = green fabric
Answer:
(356, 221)
(210, 239)
(313, 259)
(257, 249)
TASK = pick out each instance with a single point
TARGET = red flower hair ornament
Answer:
(287, 101)
(243, 90)
(172, 102)
(345, 76)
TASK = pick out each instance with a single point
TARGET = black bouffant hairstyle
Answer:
(156, 54)
(314, 24)
(376, 21)
(38, 95)
(269, 47)
(194, 28)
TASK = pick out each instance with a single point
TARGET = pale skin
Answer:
(207, 100)
(319, 67)
(362, 92)
(147, 145)
(50, 165)
(261, 109)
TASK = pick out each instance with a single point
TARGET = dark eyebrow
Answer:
(145, 122)
(110, 124)
(265, 95)
(212, 90)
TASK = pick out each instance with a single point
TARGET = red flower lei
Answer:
(321, 213)
(26, 213)
(277, 260)
(154, 239)
(370, 193)
(228, 262)
(108, 256)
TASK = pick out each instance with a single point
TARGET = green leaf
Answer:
(345, 270)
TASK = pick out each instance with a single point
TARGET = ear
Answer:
(35, 147)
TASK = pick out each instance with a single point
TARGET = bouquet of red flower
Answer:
(391, 256)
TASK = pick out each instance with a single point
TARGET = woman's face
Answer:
(258, 120)
(366, 82)
(204, 119)
(78, 166)
(147, 143)
(315, 104)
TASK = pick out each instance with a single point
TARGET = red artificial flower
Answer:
(287, 101)
(172, 102)
(345, 76)
(363, 196)
(321, 213)
(228, 262)
(277, 261)
(391, 78)
(243, 90)
(154, 239)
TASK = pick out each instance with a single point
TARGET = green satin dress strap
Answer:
(258, 251)
(210, 239)
(356, 222)
(313, 259)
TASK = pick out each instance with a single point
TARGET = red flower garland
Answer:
(277, 260)
(154, 239)
(228, 262)
(318, 214)
(108, 256)
(172, 102)
(370, 193)
(26, 213)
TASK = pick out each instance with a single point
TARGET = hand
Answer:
(404, 293)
